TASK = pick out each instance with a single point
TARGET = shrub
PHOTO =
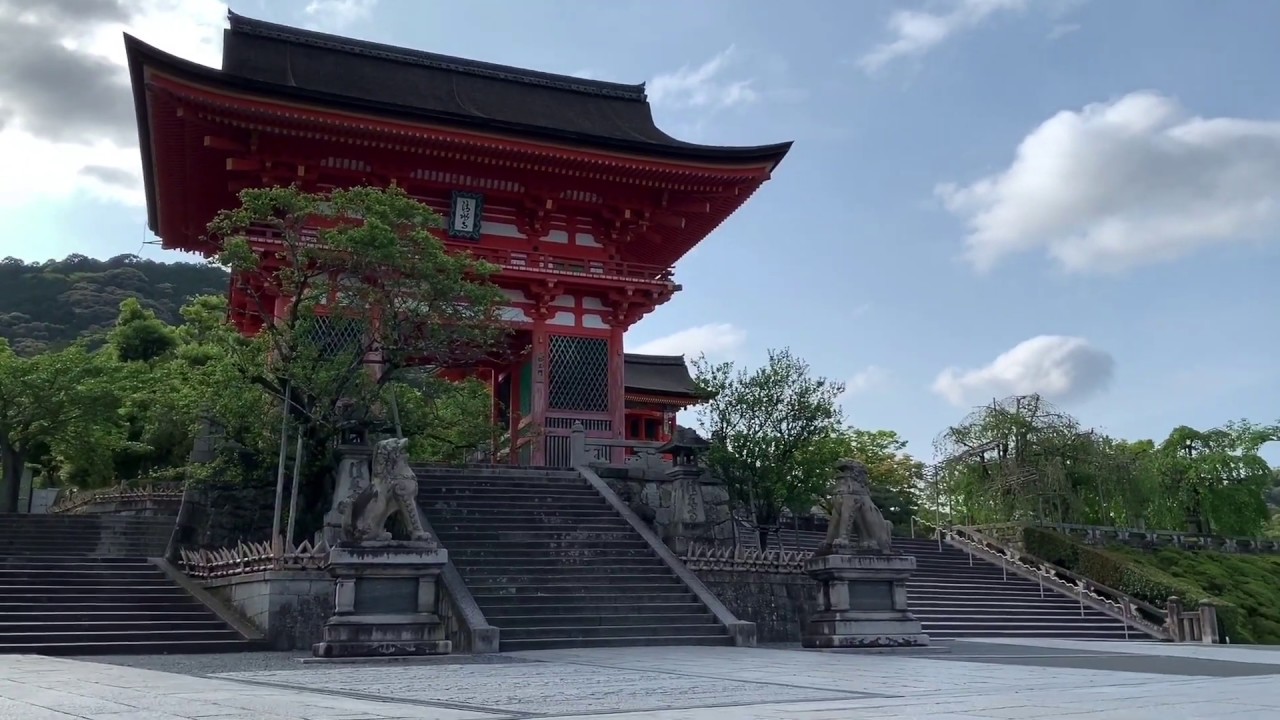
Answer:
(1232, 583)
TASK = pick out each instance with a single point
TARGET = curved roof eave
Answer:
(142, 55)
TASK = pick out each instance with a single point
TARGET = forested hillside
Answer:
(51, 304)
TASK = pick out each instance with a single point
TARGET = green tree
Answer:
(1217, 476)
(895, 477)
(356, 289)
(774, 434)
(139, 336)
(51, 404)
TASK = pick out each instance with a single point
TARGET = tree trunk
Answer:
(764, 538)
(12, 465)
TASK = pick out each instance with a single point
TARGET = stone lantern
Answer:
(688, 507)
(685, 447)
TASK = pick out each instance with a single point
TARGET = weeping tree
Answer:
(1216, 479)
(776, 433)
(348, 291)
(1015, 459)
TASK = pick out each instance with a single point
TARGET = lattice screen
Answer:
(579, 374)
(336, 336)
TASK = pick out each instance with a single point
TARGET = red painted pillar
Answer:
(541, 373)
(617, 385)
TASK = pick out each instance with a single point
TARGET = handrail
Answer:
(118, 493)
(1107, 599)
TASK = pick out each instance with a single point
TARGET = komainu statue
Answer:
(393, 488)
(855, 515)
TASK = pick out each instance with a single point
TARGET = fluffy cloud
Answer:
(718, 341)
(1125, 183)
(1055, 366)
(66, 111)
(916, 32)
(706, 87)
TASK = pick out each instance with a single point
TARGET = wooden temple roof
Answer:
(661, 376)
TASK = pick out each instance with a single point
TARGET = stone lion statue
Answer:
(393, 488)
(855, 515)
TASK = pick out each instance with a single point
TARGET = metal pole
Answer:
(293, 491)
(284, 451)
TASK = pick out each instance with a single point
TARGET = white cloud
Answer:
(1125, 183)
(865, 380)
(66, 111)
(719, 341)
(704, 87)
(338, 14)
(1055, 366)
(916, 32)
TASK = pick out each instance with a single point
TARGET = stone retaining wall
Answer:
(290, 607)
(779, 604)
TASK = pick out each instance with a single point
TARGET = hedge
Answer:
(1192, 575)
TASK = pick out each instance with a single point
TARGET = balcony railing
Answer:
(559, 265)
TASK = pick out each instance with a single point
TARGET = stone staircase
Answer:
(82, 585)
(554, 566)
(955, 598)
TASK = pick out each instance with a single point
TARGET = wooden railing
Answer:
(246, 558)
(740, 559)
(148, 494)
(561, 265)
(1134, 613)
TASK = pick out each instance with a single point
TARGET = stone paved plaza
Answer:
(1032, 679)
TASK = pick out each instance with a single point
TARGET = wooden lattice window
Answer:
(579, 374)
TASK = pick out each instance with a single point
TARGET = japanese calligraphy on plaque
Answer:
(465, 211)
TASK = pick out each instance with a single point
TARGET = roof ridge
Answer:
(263, 28)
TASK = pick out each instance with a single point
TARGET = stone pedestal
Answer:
(352, 476)
(862, 602)
(385, 601)
(688, 513)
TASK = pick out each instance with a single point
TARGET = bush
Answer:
(1245, 589)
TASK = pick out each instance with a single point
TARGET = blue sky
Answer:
(985, 197)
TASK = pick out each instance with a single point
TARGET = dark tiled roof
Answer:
(658, 374)
(450, 88)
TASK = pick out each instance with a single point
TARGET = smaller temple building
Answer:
(657, 387)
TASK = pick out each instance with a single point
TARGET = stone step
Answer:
(47, 590)
(528, 600)
(603, 571)
(506, 492)
(562, 557)
(135, 646)
(499, 615)
(508, 546)
(633, 641)
(611, 631)
(10, 628)
(1007, 618)
(54, 636)
(78, 606)
(53, 615)
(539, 536)
(558, 577)
(986, 587)
(80, 564)
(605, 620)
(495, 469)
(1064, 630)
(996, 605)
(125, 580)
(432, 506)
(617, 585)
(503, 482)
(460, 514)
(534, 525)
(64, 560)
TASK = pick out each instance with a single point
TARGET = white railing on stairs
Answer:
(1134, 613)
